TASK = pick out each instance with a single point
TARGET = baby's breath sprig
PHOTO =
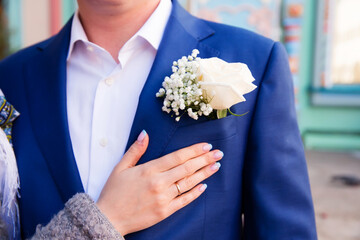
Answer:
(182, 92)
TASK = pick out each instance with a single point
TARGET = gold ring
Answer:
(178, 188)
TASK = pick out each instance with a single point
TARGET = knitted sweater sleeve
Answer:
(80, 219)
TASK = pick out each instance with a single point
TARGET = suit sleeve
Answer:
(277, 202)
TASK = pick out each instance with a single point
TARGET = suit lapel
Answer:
(46, 91)
(183, 33)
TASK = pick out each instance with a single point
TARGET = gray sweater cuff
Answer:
(88, 215)
(80, 219)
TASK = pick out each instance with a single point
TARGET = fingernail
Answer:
(202, 187)
(218, 154)
(207, 147)
(215, 166)
(141, 136)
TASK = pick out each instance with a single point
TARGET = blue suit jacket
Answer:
(263, 174)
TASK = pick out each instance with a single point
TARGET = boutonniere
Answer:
(206, 87)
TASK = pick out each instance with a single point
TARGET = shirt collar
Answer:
(77, 33)
(152, 31)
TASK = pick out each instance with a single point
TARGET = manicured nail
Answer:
(218, 154)
(141, 136)
(207, 147)
(215, 166)
(202, 187)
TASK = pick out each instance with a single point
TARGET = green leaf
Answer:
(221, 113)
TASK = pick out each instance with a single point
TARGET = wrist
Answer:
(118, 225)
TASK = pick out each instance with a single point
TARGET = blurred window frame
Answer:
(323, 91)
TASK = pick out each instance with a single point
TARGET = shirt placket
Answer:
(100, 147)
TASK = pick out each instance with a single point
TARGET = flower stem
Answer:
(238, 115)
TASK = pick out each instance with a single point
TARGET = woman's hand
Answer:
(137, 197)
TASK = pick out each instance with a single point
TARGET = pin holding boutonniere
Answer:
(206, 87)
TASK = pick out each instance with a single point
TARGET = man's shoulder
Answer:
(240, 45)
(235, 31)
(238, 35)
(236, 44)
(12, 68)
(22, 56)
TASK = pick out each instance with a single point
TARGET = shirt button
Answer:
(90, 48)
(109, 81)
(103, 142)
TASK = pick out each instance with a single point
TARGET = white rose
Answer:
(224, 83)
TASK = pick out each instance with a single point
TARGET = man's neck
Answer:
(110, 24)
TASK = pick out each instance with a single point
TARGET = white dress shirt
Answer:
(102, 96)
